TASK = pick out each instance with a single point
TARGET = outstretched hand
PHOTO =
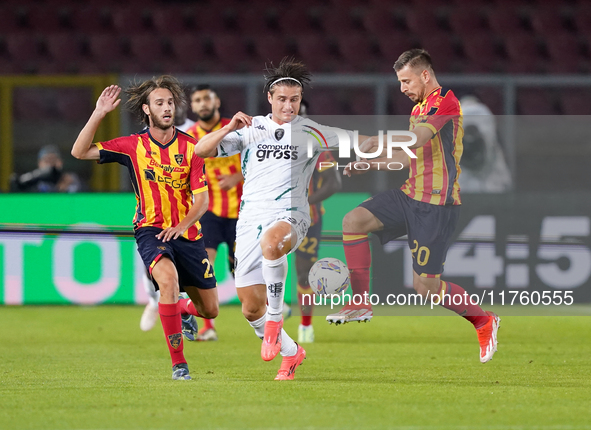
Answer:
(109, 99)
(239, 121)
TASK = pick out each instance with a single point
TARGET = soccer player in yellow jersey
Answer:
(427, 206)
(224, 179)
(171, 192)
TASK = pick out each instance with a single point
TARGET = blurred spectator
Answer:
(484, 169)
(49, 176)
(180, 118)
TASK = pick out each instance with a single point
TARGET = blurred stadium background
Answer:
(528, 61)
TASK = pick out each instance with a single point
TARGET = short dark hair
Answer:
(200, 87)
(414, 58)
(295, 71)
(139, 92)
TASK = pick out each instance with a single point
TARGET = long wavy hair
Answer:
(139, 93)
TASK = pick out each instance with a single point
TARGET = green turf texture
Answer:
(92, 368)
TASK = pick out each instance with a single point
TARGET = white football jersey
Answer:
(275, 161)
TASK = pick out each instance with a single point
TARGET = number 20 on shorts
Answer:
(420, 253)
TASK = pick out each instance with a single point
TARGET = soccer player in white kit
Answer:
(274, 214)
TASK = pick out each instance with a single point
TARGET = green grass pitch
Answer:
(92, 368)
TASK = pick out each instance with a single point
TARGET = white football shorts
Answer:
(249, 230)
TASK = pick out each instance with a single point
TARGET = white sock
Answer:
(259, 326)
(153, 295)
(275, 274)
(288, 345)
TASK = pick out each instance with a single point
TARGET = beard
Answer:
(207, 117)
(159, 124)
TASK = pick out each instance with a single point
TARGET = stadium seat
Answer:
(379, 22)
(504, 20)
(271, 48)
(565, 54)
(251, 22)
(89, 19)
(419, 20)
(359, 51)
(575, 102)
(146, 47)
(466, 21)
(339, 22)
(294, 20)
(547, 20)
(7, 67)
(106, 48)
(535, 102)
(582, 21)
(64, 46)
(45, 19)
(391, 45)
(206, 21)
(23, 47)
(128, 20)
(231, 50)
(188, 47)
(482, 52)
(523, 53)
(442, 51)
(170, 20)
(10, 20)
(316, 52)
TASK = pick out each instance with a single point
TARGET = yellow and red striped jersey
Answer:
(164, 177)
(223, 203)
(317, 210)
(433, 175)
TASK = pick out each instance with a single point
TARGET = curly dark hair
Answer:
(288, 68)
(139, 92)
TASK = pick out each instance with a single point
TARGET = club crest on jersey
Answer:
(175, 340)
(279, 133)
(179, 158)
(149, 175)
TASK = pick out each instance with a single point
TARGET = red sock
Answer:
(186, 306)
(307, 309)
(207, 324)
(466, 309)
(358, 258)
(170, 316)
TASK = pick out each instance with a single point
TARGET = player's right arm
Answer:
(208, 144)
(83, 148)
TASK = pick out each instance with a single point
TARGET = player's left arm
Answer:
(331, 183)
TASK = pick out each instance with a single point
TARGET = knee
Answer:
(210, 311)
(169, 291)
(427, 287)
(352, 222)
(252, 312)
(271, 250)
